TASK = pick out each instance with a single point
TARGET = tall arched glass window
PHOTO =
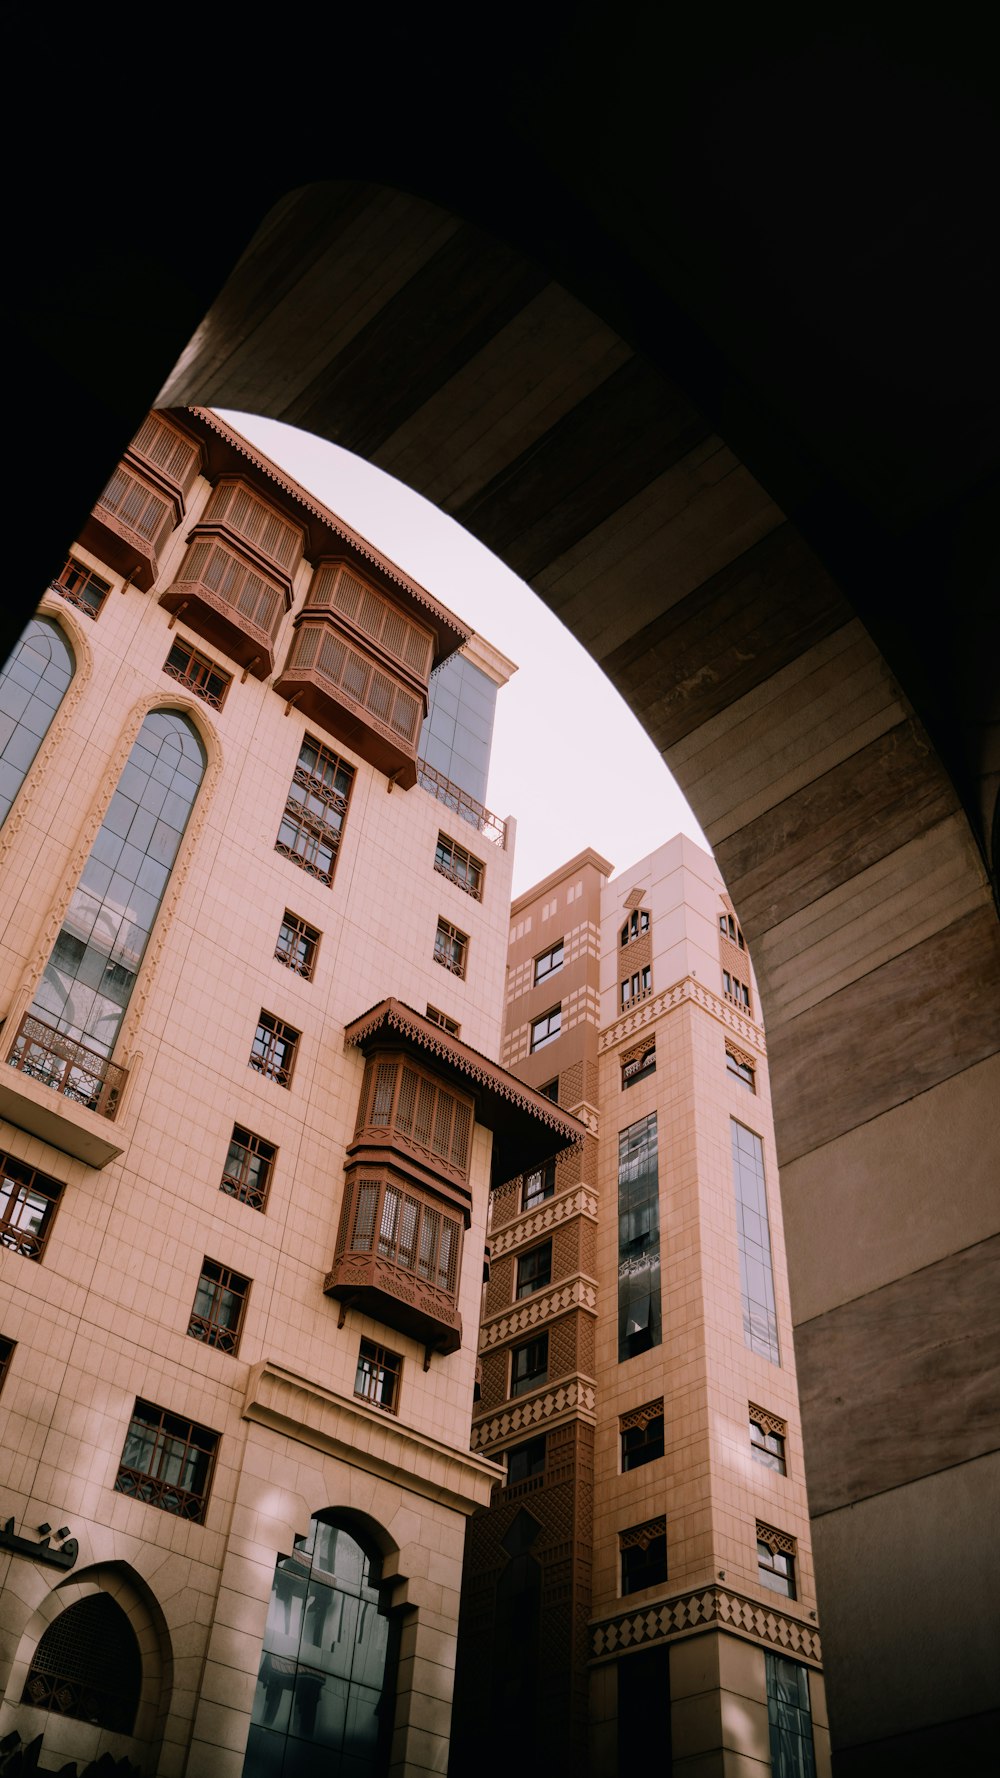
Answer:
(32, 685)
(324, 1695)
(91, 973)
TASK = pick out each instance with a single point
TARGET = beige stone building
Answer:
(642, 1586)
(251, 974)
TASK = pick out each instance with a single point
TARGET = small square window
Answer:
(167, 1462)
(7, 1348)
(767, 1440)
(643, 1555)
(459, 866)
(219, 1305)
(82, 587)
(524, 1461)
(534, 1270)
(297, 945)
(551, 1090)
(451, 948)
(198, 673)
(452, 1026)
(776, 1560)
(741, 1070)
(641, 1432)
(28, 1204)
(529, 1365)
(538, 1185)
(379, 1375)
(546, 1029)
(549, 962)
(248, 1169)
(274, 1047)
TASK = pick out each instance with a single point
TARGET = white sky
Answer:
(559, 721)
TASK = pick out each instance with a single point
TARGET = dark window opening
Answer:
(88, 1666)
(534, 1270)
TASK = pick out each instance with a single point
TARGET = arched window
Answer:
(88, 1665)
(91, 973)
(32, 685)
(325, 1687)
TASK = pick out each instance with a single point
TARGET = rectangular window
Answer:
(274, 1046)
(534, 1270)
(315, 810)
(28, 1202)
(776, 1560)
(529, 1365)
(167, 1462)
(636, 924)
(549, 962)
(767, 1439)
(526, 1460)
(789, 1718)
(249, 1165)
(644, 1555)
(538, 1186)
(551, 1090)
(736, 991)
(641, 1433)
(741, 1069)
(219, 1305)
(637, 986)
(451, 948)
(82, 587)
(760, 1325)
(545, 1029)
(459, 866)
(198, 673)
(639, 1314)
(297, 945)
(452, 1026)
(379, 1375)
(638, 1063)
(6, 1354)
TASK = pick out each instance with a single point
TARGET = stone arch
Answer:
(69, 1736)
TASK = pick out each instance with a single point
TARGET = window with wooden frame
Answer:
(82, 587)
(549, 961)
(459, 866)
(404, 1228)
(418, 1111)
(526, 1460)
(767, 1439)
(534, 1270)
(379, 1376)
(538, 1185)
(776, 1552)
(741, 1068)
(529, 1365)
(546, 1029)
(637, 986)
(248, 1169)
(167, 1462)
(636, 924)
(315, 810)
(28, 1203)
(643, 1551)
(274, 1048)
(641, 1434)
(7, 1349)
(200, 674)
(219, 1306)
(437, 1017)
(729, 929)
(451, 948)
(297, 945)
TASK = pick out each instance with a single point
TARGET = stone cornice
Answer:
(707, 1608)
(572, 1398)
(632, 1024)
(545, 1305)
(366, 1438)
(579, 1200)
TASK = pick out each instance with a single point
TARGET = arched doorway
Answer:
(326, 1682)
(87, 1665)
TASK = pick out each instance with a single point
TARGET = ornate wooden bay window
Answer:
(144, 500)
(234, 585)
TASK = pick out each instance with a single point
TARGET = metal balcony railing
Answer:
(67, 1066)
(465, 806)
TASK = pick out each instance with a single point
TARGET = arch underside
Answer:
(756, 522)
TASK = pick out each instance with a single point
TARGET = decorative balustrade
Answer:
(464, 806)
(67, 1066)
